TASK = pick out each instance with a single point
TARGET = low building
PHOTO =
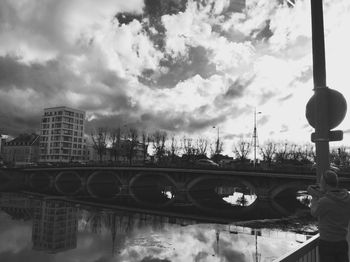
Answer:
(22, 150)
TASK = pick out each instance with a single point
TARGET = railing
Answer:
(308, 252)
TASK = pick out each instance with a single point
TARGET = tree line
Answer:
(168, 148)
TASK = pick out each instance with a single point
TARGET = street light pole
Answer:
(255, 135)
(218, 140)
(319, 75)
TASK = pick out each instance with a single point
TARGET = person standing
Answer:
(331, 205)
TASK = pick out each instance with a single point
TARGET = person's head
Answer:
(329, 180)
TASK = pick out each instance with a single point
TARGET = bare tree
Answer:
(131, 143)
(305, 151)
(189, 151)
(311, 153)
(158, 139)
(115, 137)
(242, 149)
(281, 154)
(340, 156)
(99, 141)
(145, 143)
(202, 146)
(268, 151)
(294, 153)
(174, 148)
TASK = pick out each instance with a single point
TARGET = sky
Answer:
(179, 66)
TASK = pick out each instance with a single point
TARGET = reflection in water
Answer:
(54, 226)
(91, 232)
(236, 195)
(304, 198)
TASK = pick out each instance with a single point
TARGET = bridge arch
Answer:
(288, 189)
(68, 183)
(40, 181)
(103, 184)
(153, 189)
(213, 182)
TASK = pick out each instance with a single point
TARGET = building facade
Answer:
(22, 150)
(62, 135)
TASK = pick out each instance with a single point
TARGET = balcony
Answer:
(308, 252)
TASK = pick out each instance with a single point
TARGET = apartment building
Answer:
(62, 133)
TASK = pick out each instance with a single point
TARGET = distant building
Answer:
(62, 135)
(55, 226)
(2, 143)
(22, 150)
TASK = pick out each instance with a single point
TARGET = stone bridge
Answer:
(158, 186)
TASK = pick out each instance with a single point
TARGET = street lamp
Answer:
(218, 140)
(255, 135)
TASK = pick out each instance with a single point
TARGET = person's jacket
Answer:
(333, 212)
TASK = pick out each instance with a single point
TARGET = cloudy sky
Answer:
(179, 66)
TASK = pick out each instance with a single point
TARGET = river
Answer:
(42, 228)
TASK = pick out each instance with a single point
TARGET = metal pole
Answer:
(320, 88)
(218, 142)
(254, 135)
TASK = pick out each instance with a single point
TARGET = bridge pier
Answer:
(263, 193)
(181, 197)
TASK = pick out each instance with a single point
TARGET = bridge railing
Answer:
(307, 252)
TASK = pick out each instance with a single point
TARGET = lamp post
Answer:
(218, 140)
(255, 135)
(327, 107)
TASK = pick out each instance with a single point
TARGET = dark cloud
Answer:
(25, 255)
(233, 255)
(21, 123)
(48, 78)
(262, 34)
(235, 90)
(230, 254)
(49, 83)
(263, 120)
(103, 259)
(201, 237)
(179, 69)
(265, 97)
(153, 259)
(152, 18)
(152, 121)
(284, 128)
(234, 136)
(285, 98)
(201, 256)
(305, 75)
(197, 124)
(126, 18)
